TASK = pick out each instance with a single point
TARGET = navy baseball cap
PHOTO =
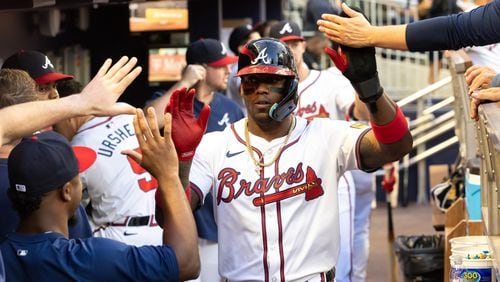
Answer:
(45, 162)
(239, 36)
(209, 51)
(36, 64)
(286, 31)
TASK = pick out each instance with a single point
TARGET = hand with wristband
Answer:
(187, 130)
(360, 67)
(390, 138)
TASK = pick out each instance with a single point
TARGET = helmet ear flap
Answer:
(279, 111)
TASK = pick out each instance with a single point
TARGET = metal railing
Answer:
(425, 127)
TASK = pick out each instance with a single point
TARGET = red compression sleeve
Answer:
(393, 131)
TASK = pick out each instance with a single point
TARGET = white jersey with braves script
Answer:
(324, 94)
(119, 189)
(279, 223)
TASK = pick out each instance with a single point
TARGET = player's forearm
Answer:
(179, 229)
(24, 119)
(392, 37)
(184, 169)
(392, 142)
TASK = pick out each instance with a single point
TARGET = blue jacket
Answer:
(52, 257)
(477, 27)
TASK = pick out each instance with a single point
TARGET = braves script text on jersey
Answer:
(118, 187)
(272, 222)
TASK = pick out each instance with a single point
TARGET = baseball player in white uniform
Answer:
(121, 192)
(327, 94)
(274, 175)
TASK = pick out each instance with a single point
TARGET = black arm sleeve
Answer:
(478, 27)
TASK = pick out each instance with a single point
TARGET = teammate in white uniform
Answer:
(327, 94)
(274, 176)
(121, 192)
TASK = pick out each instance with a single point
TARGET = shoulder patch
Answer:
(359, 125)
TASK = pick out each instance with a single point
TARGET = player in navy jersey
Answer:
(45, 200)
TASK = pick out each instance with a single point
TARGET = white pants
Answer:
(209, 257)
(346, 195)
(365, 192)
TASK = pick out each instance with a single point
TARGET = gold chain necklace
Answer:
(258, 164)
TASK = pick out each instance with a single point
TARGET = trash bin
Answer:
(421, 257)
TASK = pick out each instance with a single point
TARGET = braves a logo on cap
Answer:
(286, 29)
(224, 50)
(47, 63)
(262, 56)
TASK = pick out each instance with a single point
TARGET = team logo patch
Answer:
(20, 188)
(22, 253)
(359, 125)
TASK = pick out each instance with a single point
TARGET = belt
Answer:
(136, 221)
(328, 276)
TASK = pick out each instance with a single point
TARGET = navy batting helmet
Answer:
(271, 56)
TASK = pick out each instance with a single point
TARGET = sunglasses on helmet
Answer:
(250, 83)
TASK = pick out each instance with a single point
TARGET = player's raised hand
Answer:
(353, 30)
(187, 130)
(100, 95)
(157, 154)
(192, 74)
(360, 67)
(479, 77)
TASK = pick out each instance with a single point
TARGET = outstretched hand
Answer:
(157, 154)
(360, 67)
(353, 30)
(100, 95)
(187, 130)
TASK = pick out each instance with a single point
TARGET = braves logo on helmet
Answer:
(262, 56)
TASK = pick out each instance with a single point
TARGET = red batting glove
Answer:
(389, 181)
(338, 58)
(187, 131)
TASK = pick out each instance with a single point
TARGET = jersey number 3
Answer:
(144, 184)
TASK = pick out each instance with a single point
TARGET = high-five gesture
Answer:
(158, 155)
(100, 95)
(160, 159)
(360, 67)
(187, 130)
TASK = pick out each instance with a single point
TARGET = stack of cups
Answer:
(470, 259)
